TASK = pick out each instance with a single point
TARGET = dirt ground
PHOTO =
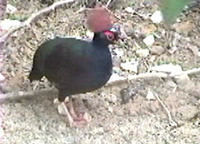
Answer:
(122, 113)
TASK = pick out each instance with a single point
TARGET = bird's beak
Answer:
(122, 34)
(119, 31)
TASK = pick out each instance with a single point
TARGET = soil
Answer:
(121, 113)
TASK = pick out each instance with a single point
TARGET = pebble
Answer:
(142, 52)
(6, 24)
(131, 66)
(111, 98)
(110, 109)
(157, 17)
(10, 9)
(89, 34)
(150, 95)
(129, 10)
(118, 111)
(149, 40)
(184, 82)
(128, 28)
(157, 50)
(119, 52)
(184, 27)
(188, 112)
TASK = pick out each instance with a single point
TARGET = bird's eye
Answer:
(110, 37)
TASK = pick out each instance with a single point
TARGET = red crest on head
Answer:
(98, 19)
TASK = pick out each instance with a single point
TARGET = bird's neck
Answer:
(99, 41)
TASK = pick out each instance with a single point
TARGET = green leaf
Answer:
(172, 8)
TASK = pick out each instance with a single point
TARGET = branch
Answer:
(151, 75)
(27, 22)
(108, 3)
(171, 121)
(120, 80)
(29, 94)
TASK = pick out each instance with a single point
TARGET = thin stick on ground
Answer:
(29, 94)
(33, 17)
(108, 3)
(171, 121)
(116, 82)
(151, 75)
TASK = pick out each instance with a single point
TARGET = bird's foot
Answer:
(82, 119)
(74, 119)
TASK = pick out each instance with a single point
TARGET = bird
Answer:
(77, 66)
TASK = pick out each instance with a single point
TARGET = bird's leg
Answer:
(79, 116)
(36, 84)
(69, 117)
(67, 108)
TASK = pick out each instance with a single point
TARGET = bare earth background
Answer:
(35, 120)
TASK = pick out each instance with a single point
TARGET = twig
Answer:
(171, 121)
(29, 94)
(108, 3)
(120, 80)
(32, 18)
(151, 75)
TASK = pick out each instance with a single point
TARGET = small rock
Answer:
(130, 92)
(188, 112)
(89, 34)
(110, 109)
(126, 95)
(157, 17)
(10, 9)
(119, 52)
(6, 24)
(149, 40)
(144, 30)
(131, 66)
(150, 95)
(128, 28)
(184, 27)
(157, 50)
(152, 58)
(184, 82)
(142, 52)
(129, 10)
(111, 98)
(123, 129)
(118, 111)
(148, 29)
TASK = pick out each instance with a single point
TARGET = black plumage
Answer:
(74, 66)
